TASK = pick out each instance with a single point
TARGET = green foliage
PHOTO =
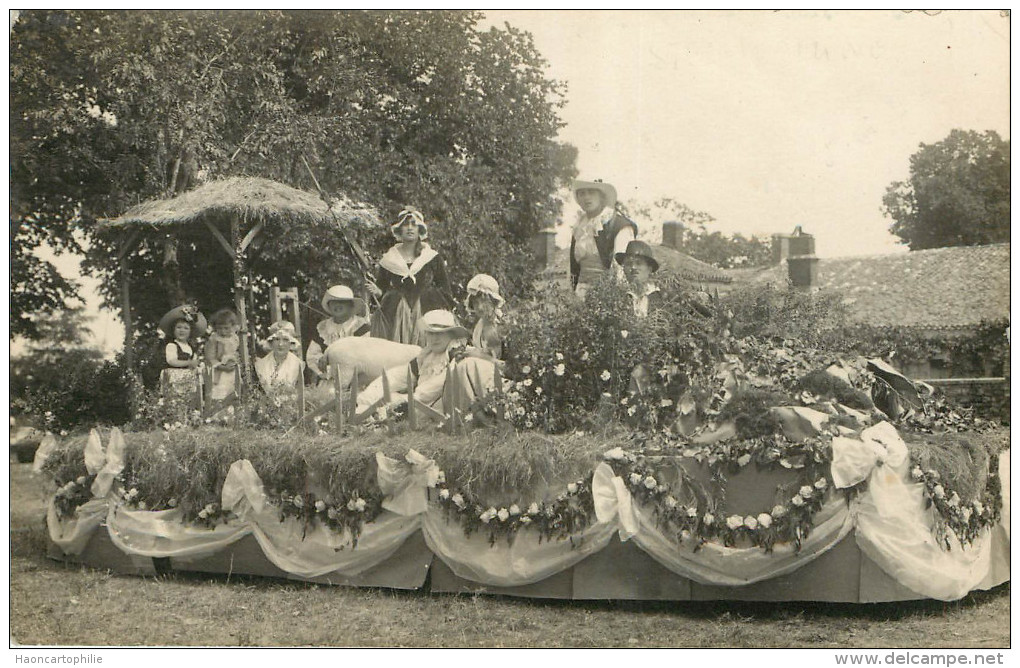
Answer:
(826, 386)
(751, 412)
(957, 194)
(770, 312)
(393, 108)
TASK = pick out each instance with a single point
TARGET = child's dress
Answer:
(222, 348)
(179, 381)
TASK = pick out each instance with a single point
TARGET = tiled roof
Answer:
(669, 260)
(938, 288)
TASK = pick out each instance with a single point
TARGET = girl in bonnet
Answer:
(412, 280)
(280, 371)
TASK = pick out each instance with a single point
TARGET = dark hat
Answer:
(187, 313)
(639, 249)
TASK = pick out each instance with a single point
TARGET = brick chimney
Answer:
(544, 246)
(673, 234)
(799, 249)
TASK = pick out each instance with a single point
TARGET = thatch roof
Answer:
(251, 198)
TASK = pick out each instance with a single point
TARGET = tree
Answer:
(957, 194)
(392, 108)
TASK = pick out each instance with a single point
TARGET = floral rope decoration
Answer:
(73, 494)
(571, 512)
(348, 514)
(965, 520)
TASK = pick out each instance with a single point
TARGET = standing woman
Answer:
(412, 280)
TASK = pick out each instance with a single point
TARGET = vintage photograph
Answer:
(510, 329)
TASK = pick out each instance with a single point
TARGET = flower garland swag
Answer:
(966, 520)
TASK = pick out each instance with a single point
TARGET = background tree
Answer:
(392, 108)
(957, 194)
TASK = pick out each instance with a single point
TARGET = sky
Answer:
(765, 120)
(769, 120)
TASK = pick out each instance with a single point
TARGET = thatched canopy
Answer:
(248, 198)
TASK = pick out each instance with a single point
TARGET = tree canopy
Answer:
(957, 194)
(391, 108)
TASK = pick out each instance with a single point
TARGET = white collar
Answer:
(649, 289)
(394, 262)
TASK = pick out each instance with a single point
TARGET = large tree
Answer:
(957, 194)
(393, 108)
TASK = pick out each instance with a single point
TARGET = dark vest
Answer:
(605, 239)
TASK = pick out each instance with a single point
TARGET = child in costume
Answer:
(221, 354)
(180, 377)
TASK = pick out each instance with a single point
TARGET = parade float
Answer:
(615, 458)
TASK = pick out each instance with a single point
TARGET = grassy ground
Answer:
(52, 603)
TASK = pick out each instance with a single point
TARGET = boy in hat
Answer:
(600, 233)
(638, 266)
(345, 320)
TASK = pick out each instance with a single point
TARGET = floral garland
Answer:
(965, 520)
(348, 514)
(571, 512)
(72, 494)
(702, 518)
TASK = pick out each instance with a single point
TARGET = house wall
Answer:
(989, 397)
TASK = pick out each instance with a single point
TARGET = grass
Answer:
(54, 603)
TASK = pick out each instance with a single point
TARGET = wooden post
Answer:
(275, 312)
(339, 423)
(301, 395)
(355, 383)
(239, 300)
(208, 376)
(126, 243)
(412, 410)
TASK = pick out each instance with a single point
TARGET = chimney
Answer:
(673, 234)
(800, 258)
(544, 246)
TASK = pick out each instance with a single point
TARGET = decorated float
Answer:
(661, 458)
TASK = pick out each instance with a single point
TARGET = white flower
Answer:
(670, 501)
(734, 521)
(444, 493)
(954, 500)
(623, 401)
(80, 480)
(744, 459)
(142, 505)
(632, 410)
(527, 382)
(559, 357)
(708, 518)
(487, 515)
(525, 519)
(320, 506)
(584, 356)
(685, 535)
(441, 477)
(166, 426)
(571, 487)
(203, 513)
(606, 395)
(650, 482)
(606, 375)
(967, 512)
(615, 453)
(635, 478)
(765, 520)
(692, 512)
(559, 369)
(525, 369)
(624, 333)
(979, 507)
(331, 513)
(940, 493)
(778, 511)
(538, 390)
(665, 403)
(360, 505)
(298, 501)
(458, 500)
(821, 483)
(503, 514)
(916, 473)
(751, 522)
(172, 503)
(351, 505)
(133, 493)
(533, 509)
(515, 509)
(806, 491)
(797, 500)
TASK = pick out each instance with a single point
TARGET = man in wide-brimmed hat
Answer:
(600, 233)
(347, 318)
(638, 266)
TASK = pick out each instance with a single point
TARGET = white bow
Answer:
(112, 461)
(613, 500)
(242, 484)
(853, 460)
(405, 492)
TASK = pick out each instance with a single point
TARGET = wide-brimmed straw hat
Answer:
(441, 321)
(342, 293)
(189, 314)
(608, 191)
(282, 329)
(409, 215)
(640, 249)
(483, 284)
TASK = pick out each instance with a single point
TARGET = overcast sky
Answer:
(770, 120)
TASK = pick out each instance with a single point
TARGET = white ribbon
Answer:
(242, 487)
(95, 457)
(112, 467)
(47, 447)
(613, 501)
(853, 460)
(405, 491)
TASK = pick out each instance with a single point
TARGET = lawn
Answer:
(52, 603)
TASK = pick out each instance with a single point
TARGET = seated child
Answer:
(221, 354)
(345, 320)
(280, 371)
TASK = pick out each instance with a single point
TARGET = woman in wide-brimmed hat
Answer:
(347, 318)
(280, 371)
(599, 233)
(181, 325)
(638, 266)
(411, 280)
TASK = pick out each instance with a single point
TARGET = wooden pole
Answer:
(125, 305)
(239, 301)
(412, 411)
(301, 395)
(339, 424)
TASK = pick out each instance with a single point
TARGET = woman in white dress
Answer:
(280, 371)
